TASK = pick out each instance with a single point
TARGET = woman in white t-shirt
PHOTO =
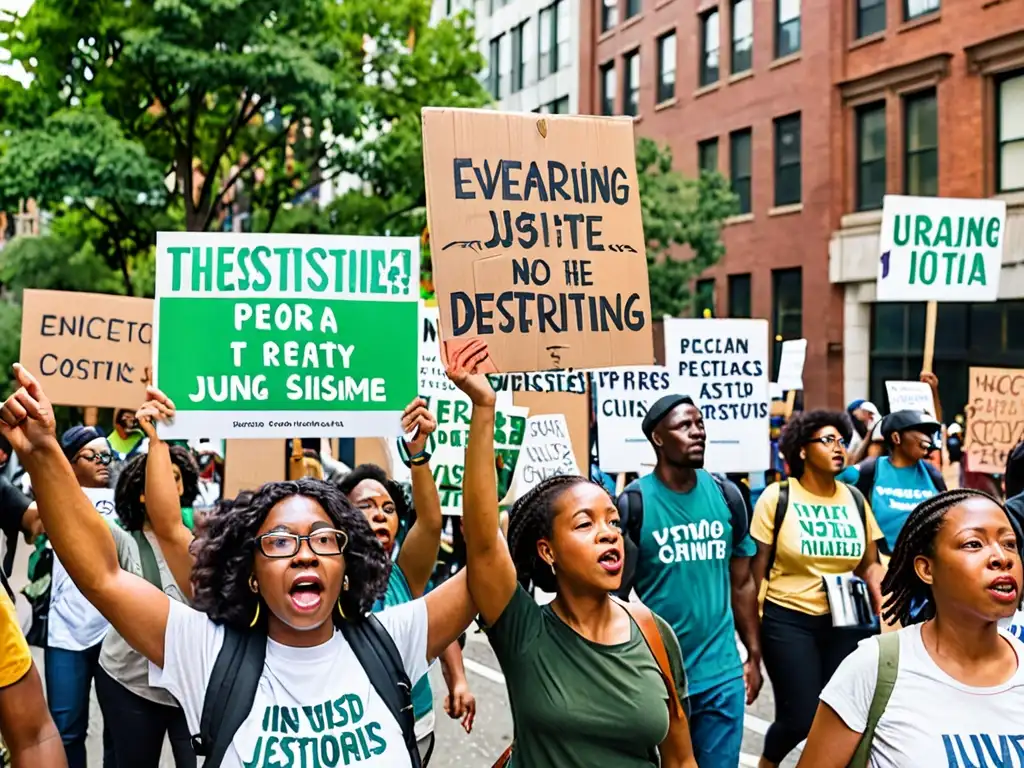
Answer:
(293, 560)
(958, 697)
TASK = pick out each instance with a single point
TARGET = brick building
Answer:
(782, 96)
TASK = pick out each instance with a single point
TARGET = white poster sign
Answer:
(910, 396)
(623, 396)
(723, 366)
(546, 452)
(791, 367)
(102, 499)
(940, 249)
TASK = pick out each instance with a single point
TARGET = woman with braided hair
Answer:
(585, 678)
(957, 682)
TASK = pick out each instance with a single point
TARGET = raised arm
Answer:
(418, 554)
(163, 503)
(79, 536)
(492, 574)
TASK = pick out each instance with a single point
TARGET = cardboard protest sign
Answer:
(575, 409)
(623, 397)
(251, 463)
(301, 336)
(910, 396)
(448, 447)
(537, 240)
(995, 417)
(940, 249)
(88, 349)
(547, 451)
(791, 367)
(722, 365)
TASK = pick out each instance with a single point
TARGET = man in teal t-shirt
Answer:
(690, 572)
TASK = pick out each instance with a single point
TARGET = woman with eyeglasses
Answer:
(294, 563)
(808, 528)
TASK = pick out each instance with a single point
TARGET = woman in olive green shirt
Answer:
(584, 687)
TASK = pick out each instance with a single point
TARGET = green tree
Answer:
(159, 113)
(683, 221)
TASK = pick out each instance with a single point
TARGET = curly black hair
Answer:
(131, 485)
(348, 483)
(530, 520)
(904, 589)
(800, 429)
(226, 547)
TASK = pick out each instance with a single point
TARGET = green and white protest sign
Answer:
(940, 249)
(261, 335)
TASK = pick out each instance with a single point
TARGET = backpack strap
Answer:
(866, 472)
(150, 568)
(230, 693)
(885, 681)
(631, 517)
(936, 476)
(781, 507)
(739, 511)
(648, 625)
(377, 654)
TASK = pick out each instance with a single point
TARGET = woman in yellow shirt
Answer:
(822, 532)
(25, 722)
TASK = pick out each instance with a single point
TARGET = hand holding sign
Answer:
(465, 369)
(419, 422)
(26, 418)
(158, 407)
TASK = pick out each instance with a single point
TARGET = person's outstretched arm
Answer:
(163, 504)
(492, 574)
(418, 554)
(831, 742)
(79, 536)
(27, 727)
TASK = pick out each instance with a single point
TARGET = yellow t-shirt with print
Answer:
(819, 537)
(15, 658)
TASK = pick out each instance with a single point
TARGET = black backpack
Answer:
(631, 517)
(780, 515)
(866, 485)
(236, 676)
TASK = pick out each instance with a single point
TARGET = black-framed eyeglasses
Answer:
(326, 542)
(103, 459)
(829, 441)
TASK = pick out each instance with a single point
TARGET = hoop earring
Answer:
(256, 617)
(553, 570)
(341, 610)
(254, 586)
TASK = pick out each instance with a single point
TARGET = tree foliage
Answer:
(683, 221)
(159, 114)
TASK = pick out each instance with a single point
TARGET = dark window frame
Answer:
(607, 98)
(742, 185)
(1000, 142)
(781, 317)
(609, 15)
(633, 8)
(518, 74)
(740, 289)
(907, 16)
(629, 88)
(862, 202)
(909, 101)
(784, 171)
(705, 146)
(780, 31)
(736, 65)
(664, 91)
(704, 288)
(708, 75)
(869, 11)
(494, 73)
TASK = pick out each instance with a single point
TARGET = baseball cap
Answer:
(901, 421)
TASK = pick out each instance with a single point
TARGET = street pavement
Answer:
(454, 748)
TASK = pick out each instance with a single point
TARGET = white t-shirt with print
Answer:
(310, 700)
(932, 720)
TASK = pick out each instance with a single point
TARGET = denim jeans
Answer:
(716, 724)
(69, 676)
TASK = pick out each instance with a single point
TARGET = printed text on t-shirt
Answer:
(1003, 751)
(826, 531)
(691, 541)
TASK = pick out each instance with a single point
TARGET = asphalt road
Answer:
(454, 748)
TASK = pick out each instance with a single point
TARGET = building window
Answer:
(608, 88)
(787, 311)
(870, 17)
(739, 167)
(912, 9)
(633, 8)
(870, 156)
(710, 39)
(742, 35)
(704, 298)
(666, 67)
(609, 14)
(921, 147)
(520, 48)
(631, 84)
(787, 27)
(559, 106)
(546, 61)
(707, 155)
(562, 35)
(787, 160)
(1010, 132)
(739, 296)
(496, 83)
